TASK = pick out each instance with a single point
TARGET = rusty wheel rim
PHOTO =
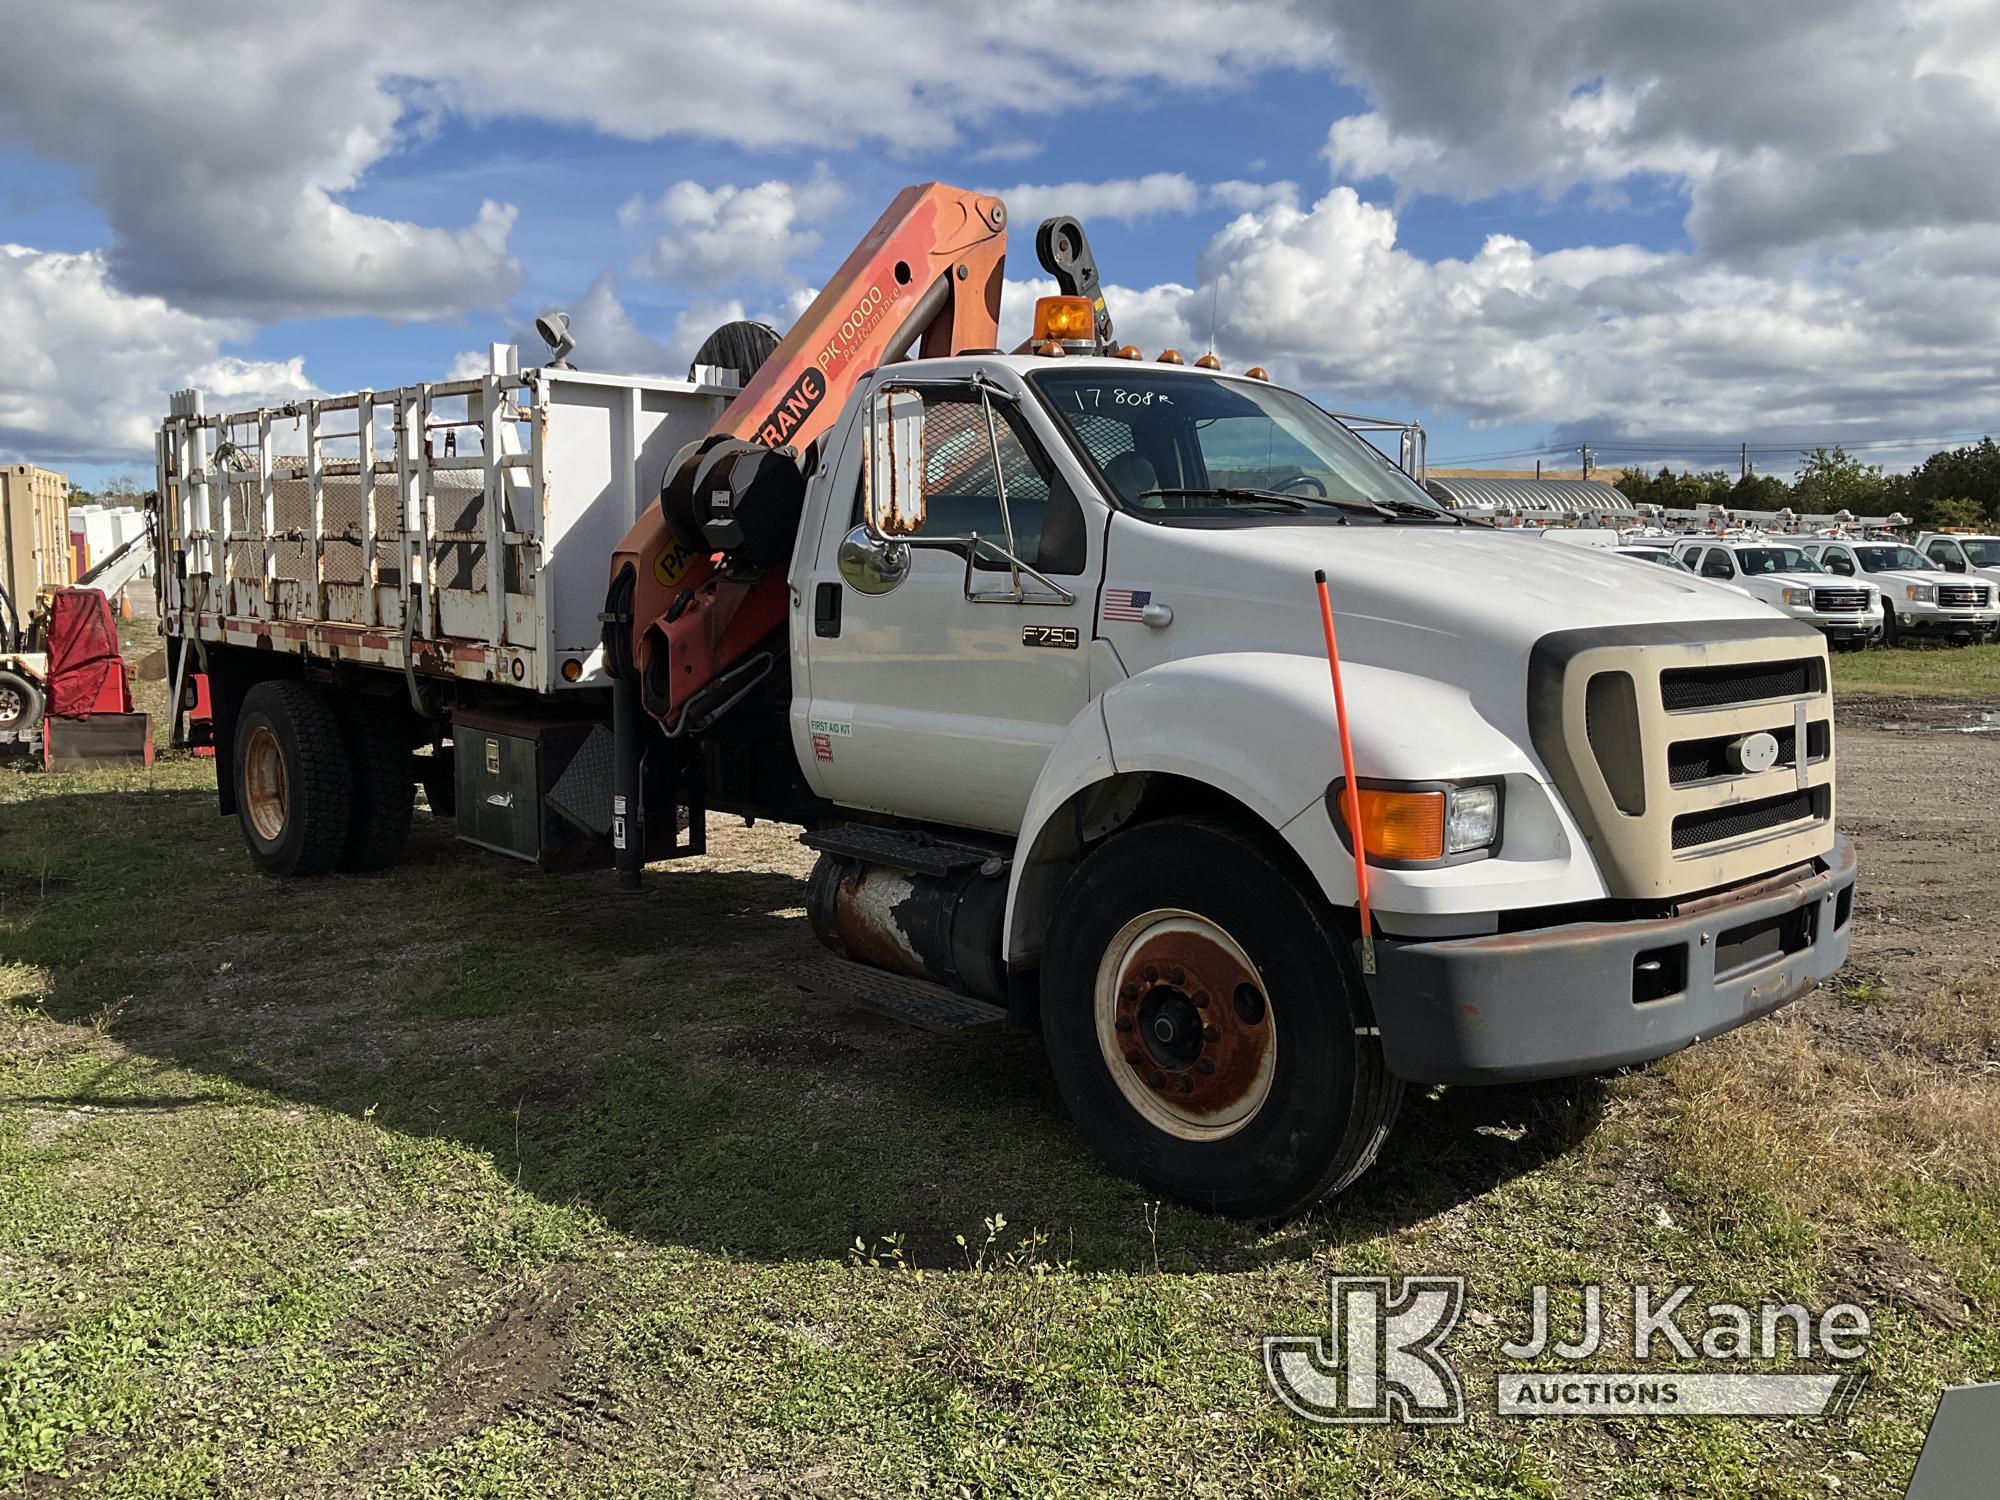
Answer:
(265, 791)
(1185, 1025)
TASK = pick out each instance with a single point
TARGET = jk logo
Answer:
(1380, 1362)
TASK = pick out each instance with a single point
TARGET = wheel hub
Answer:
(12, 705)
(265, 790)
(1184, 1024)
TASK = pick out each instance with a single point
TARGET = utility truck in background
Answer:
(1030, 645)
(1846, 610)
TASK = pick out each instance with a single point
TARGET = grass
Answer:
(468, 1181)
(1962, 672)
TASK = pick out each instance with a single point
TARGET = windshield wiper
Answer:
(1267, 497)
(1417, 508)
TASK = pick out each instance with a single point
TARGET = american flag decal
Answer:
(1126, 604)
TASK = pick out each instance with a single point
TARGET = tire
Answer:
(1295, 1104)
(383, 786)
(741, 346)
(294, 780)
(21, 705)
(1892, 635)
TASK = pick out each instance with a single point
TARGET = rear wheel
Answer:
(1203, 1020)
(20, 705)
(293, 775)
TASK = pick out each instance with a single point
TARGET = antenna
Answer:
(1214, 295)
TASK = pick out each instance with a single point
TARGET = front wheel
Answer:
(1891, 634)
(1206, 1026)
(20, 705)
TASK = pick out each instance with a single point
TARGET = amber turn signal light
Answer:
(1069, 319)
(572, 669)
(1402, 825)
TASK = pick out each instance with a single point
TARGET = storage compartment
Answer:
(538, 790)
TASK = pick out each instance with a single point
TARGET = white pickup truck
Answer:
(1918, 599)
(1847, 611)
(1966, 553)
(1049, 690)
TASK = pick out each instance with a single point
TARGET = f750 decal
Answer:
(1062, 637)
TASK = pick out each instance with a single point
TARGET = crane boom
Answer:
(927, 274)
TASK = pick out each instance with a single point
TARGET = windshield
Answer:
(1758, 560)
(1891, 559)
(1173, 446)
(1984, 551)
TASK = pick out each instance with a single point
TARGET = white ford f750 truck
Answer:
(1048, 688)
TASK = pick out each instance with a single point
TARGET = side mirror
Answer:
(1954, 565)
(893, 489)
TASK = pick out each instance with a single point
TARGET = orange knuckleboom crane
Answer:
(693, 597)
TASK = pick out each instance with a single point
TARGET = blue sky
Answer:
(1561, 231)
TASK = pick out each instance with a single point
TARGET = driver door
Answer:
(919, 700)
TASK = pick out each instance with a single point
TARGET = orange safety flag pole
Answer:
(1351, 795)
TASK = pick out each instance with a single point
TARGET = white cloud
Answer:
(728, 235)
(88, 367)
(1124, 199)
(1241, 195)
(1786, 124)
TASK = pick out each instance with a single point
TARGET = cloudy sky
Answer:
(1660, 228)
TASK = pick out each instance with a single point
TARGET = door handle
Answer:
(826, 609)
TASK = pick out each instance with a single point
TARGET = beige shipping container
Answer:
(34, 532)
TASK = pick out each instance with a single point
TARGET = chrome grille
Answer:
(1962, 595)
(1840, 601)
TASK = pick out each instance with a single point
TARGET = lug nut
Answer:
(1184, 1085)
(1126, 1023)
(1159, 1080)
(1150, 974)
(1211, 1033)
(1204, 1065)
(1135, 1057)
(1128, 991)
(1201, 999)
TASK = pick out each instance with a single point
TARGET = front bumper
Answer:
(1846, 627)
(1564, 1001)
(1957, 623)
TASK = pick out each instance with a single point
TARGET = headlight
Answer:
(1415, 825)
(1797, 598)
(1472, 818)
(1920, 593)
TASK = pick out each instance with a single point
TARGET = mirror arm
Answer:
(1000, 489)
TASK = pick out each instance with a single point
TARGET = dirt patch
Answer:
(1878, 1271)
(513, 1362)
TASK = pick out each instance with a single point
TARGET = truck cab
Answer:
(1847, 611)
(1918, 599)
(1069, 603)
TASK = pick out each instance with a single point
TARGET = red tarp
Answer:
(86, 673)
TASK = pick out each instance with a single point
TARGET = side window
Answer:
(1717, 564)
(1946, 555)
(961, 497)
(1839, 562)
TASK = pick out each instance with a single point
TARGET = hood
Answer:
(1456, 580)
(1914, 575)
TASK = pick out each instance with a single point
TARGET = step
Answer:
(902, 849)
(916, 1002)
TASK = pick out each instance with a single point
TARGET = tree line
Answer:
(1953, 487)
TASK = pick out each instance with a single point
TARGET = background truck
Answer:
(1030, 645)
(1847, 611)
(1968, 553)
(1918, 599)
